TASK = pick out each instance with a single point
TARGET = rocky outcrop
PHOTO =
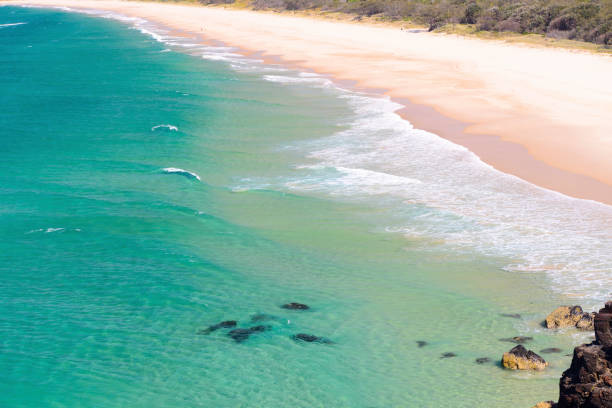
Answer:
(588, 381)
(586, 322)
(603, 326)
(519, 358)
(570, 316)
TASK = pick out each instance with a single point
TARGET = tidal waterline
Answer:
(110, 265)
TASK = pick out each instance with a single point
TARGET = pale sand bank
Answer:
(542, 114)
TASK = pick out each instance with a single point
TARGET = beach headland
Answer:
(541, 114)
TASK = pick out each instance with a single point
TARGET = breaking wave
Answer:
(169, 127)
(11, 24)
(186, 173)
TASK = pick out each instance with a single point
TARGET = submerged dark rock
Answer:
(551, 350)
(310, 338)
(511, 315)
(260, 328)
(517, 339)
(448, 355)
(588, 381)
(262, 317)
(421, 343)
(295, 306)
(240, 335)
(223, 325)
(519, 358)
(482, 360)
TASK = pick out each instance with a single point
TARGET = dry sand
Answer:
(542, 114)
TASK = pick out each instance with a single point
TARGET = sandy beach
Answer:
(542, 114)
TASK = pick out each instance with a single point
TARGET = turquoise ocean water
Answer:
(152, 185)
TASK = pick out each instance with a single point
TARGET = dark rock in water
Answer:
(448, 355)
(519, 358)
(306, 337)
(517, 339)
(223, 325)
(240, 335)
(421, 343)
(295, 306)
(259, 328)
(551, 350)
(310, 338)
(482, 360)
(588, 381)
(262, 317)
(511, 315)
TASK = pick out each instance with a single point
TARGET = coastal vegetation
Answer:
(583, 20)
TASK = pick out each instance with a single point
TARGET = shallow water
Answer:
(153, 186)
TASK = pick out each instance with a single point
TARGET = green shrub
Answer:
(587, 20)
(563, 23)
(472, 11)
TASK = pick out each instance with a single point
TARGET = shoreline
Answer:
(510, 138)
(306, 196)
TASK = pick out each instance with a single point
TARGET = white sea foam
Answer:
(437, 191)
(221, 56)
(350, 181)
(213, 53)
(51, 230)
(433, 190)
(11, 24)
(182, 172)
(301, 78)
(156, 37)
(165, 126)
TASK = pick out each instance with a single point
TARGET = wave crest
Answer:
(11, 24)
(182, 172)
(165, 126)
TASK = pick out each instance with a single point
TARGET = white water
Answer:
(11, 24)
(437, 193)
(182, 172)
(164, 126)
(441, 192)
